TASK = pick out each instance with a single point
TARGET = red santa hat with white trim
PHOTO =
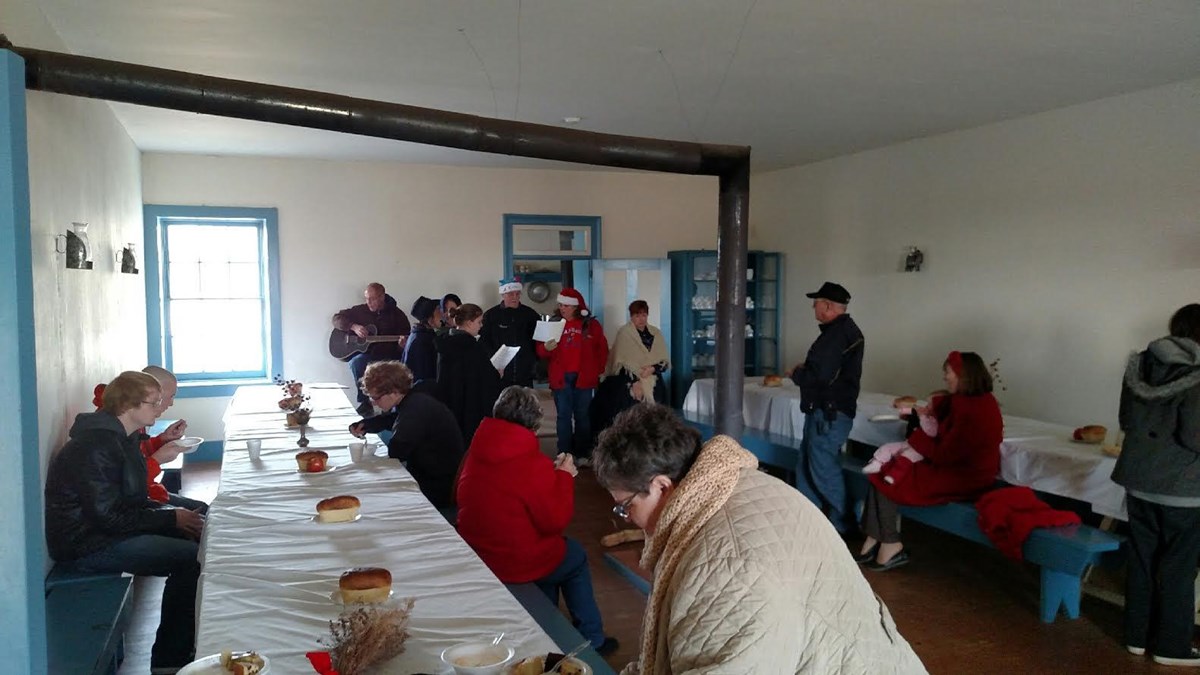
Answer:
(570, 296)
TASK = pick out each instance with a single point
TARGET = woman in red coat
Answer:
(961, 462)
(577, 361)
(514, 504)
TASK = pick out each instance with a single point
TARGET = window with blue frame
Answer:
(213, 295)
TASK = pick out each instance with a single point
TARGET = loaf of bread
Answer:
(536, 665)
(903, 402)
(772, 381)
(338, 509)
(312, 461)
(365, 585)
(1092, 433)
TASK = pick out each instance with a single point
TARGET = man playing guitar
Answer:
(373, 331)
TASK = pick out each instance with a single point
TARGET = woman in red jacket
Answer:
(514, 504)
(577, 359)
(961, 462)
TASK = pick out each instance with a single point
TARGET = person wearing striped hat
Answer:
(511, 323)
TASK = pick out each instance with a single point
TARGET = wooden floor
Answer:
(964, 608)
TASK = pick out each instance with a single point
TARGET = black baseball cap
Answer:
(832, 292)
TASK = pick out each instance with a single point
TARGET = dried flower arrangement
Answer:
(997, 381)
(294, 399)
(366, 636)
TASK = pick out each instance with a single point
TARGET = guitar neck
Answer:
(381, 338)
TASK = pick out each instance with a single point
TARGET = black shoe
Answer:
(607, 647)
(895, 561)
(864, 558)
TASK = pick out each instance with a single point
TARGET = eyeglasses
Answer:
(153, 403)
(622, 510)
(375, 397)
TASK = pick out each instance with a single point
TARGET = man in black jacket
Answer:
(99, 516)
(379, 315)
(829, 382)
(512, 323)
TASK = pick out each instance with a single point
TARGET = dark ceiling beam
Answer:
(177, 90)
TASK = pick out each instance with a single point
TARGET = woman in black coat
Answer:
(420, 354)
(467, 382)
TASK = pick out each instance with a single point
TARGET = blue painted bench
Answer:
(87, 615)
(560, 630)
(639, 582)
(769, 448)
(1063, 554)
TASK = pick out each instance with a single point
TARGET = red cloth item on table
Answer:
(322, 662)
(154, 489)
(1008, 515)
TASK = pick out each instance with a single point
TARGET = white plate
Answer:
(211, 665)
(328, 468)
(189, 444)
(886, 417)
(587, 670)
(336, 596)
(316, 519)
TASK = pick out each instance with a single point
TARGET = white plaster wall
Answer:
(1056, 242)
(89, 325)
(419, 230)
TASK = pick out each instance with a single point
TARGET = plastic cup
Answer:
(254, 445)
(356, 452)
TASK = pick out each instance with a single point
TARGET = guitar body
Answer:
(343, 345)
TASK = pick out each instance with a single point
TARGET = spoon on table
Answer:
(571, 654)
(496, 640)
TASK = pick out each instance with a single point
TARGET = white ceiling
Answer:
(799, 80)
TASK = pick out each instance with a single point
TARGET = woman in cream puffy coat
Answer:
(749, 577)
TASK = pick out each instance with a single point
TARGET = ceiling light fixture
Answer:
(572, 120)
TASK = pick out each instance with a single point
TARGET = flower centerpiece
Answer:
(294, 402)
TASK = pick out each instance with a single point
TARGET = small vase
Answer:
(303, 442)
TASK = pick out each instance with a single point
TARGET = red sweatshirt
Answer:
(513, 505)
(148, 447)
(582, 349)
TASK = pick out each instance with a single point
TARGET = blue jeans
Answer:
(573, 403)
(160, 556)
(358, 366)
(819, 468)
(573, 578)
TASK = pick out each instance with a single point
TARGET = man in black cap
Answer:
(829, 380)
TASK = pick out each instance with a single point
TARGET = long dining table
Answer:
(270, 570)
(1036, 454)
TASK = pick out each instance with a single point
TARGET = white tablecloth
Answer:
(269, 569)
(1037, 454)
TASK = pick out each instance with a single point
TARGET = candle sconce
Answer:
(75, 244)
(127, 258)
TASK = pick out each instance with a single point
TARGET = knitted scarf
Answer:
(629, 353)
(701, 493)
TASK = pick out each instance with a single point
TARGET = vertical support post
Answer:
(22, 587)
(733, 236)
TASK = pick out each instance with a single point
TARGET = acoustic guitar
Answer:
(343, 345)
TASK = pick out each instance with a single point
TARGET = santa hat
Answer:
(570, 296)
(510, 285)
(955, 361)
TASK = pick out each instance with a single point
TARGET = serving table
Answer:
(270, 571)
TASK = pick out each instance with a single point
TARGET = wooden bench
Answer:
(556, 625)
(86, 618)
(1064, 554)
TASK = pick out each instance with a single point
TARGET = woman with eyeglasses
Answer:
(99, 517)
(514, 504)
(749, 577)
(425, 434)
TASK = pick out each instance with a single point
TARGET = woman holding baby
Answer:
(958, 461)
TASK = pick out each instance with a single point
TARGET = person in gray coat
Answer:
(1159, 466)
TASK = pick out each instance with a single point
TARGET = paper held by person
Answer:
(546, 331)
(504, 356)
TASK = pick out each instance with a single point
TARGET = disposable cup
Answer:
(254, 445)
(356, 452)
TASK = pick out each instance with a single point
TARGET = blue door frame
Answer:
(22, 551)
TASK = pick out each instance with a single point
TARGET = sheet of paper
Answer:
(504, 356)
(546, 331)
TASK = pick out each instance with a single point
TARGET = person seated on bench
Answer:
(961, 462)
(160, 449)
(99, 517)
(749, 576)
(514, 504)
(895, 460)
(1160, 415)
